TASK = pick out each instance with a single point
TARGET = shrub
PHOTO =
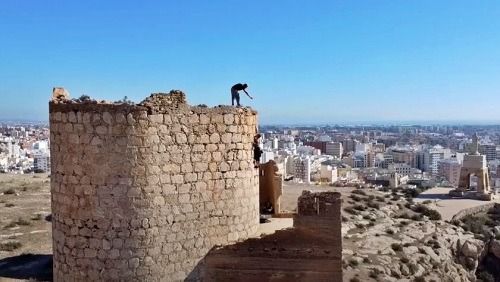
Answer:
(419, 279)
(353, 262)
(412, 193)
(485, 276)
(354, 279)
(366, 260)
(10, 225)
(359, 207)
(355, 198)
(426, 202)
(9, 205)
(351, 211)
(359, 192)
(22, 221)
(405, 260)
(395, 274)
(389, 231)
(404, 215)
(344, 219)
(413, 268)
(10, 246)
(373, 205)
(416, 217)
(9, 191)
(396, 247)
(432, 214)
(374, 273)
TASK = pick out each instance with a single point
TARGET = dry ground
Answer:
(24, 228)
(446, 206)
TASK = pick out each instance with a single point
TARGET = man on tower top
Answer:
(235, 95)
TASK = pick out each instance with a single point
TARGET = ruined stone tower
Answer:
(143, 192)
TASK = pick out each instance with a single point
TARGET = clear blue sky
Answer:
(304, 61)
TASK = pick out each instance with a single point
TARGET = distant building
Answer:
(320, 145)
(328, 173)
(450, 170)
(266, 156)
(432, 157)
(41, 161)
(302, 169)
(489, 150)
(334, 149)
(349, 145)
(400, 168)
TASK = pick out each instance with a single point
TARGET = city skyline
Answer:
(331, 62)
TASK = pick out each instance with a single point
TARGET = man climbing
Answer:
(257, 151)
(235, 95)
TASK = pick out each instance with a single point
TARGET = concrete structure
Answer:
(302, 169)
(489, 150)
(143, 192)
(396, 180)
(474, 165)
(334, 149)
(270, 186)
(450, 170)
(41, 161)
(311, 251)
(320, 145)
(328, 173)
(432, 157)
(400, 168)
(405, 156)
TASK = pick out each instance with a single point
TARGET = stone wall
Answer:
(143, 192)
(311, 251)
(474, 210)
(270, 186)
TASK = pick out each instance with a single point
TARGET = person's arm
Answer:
(247, 94)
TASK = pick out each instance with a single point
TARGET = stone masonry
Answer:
(143, 192)
(311, 251)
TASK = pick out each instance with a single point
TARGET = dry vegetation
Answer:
(24, 205)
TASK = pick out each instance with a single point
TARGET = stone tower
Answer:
(143, 192)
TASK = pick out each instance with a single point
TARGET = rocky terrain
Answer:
(389, 238)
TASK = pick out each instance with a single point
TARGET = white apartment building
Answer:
(41, 161)
(329, 173)
(432, 157)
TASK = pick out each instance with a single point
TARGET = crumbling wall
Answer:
(143, 192)
(270, 186)
(311, 251)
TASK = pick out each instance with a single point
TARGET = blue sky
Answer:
(304, 61)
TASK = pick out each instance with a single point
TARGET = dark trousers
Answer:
(235, 96)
